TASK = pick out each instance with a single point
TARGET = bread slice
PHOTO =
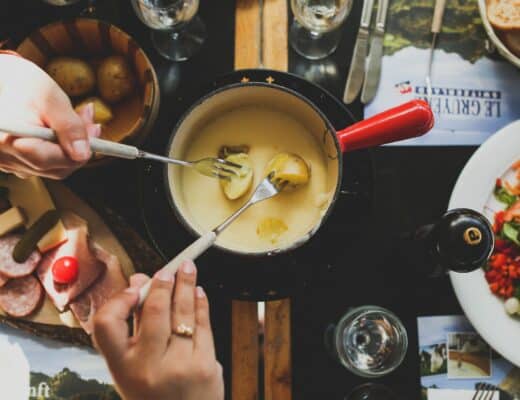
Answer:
(512, 41)
(504, 14)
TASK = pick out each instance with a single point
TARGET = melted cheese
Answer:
(267, 132)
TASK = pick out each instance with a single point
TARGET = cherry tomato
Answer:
(65, 270)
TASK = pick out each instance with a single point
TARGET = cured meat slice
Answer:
(77, 245)
(111, 282)
(3, 280)
(9, 267)
(20, 297)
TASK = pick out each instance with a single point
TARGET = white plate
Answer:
(501, 47)
(474, 190)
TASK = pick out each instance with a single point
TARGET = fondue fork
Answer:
(266, 189)
(213, 167)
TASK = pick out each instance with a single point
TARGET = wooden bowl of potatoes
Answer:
(94, 61)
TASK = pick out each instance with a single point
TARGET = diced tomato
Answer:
(498, 260)
(498, 183)
(501, 244)
(499, 221)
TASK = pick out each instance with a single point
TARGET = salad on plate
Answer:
(502, 271)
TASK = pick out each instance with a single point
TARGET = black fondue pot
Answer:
(274, 274)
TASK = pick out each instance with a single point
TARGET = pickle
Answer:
(5, 204)
(225, 150)
(29, 241)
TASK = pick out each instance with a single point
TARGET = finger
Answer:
(137, 281)
(155, 328)
(111, 334)
(41, 155)
(94, 130)
(56, 111)
(183, 310)
(203, 339)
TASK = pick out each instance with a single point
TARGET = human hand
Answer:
(155, 363)
(30, 96)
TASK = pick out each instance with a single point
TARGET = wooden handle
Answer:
(100, 146)
(438, 13)
(191, 252)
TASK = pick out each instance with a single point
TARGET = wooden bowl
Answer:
(91, 40)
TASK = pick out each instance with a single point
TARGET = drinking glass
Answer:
(369, 341)
(60, 2)
(315, 32)
(177, 32)
(371, 391)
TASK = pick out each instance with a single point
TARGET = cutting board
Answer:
(48, 322)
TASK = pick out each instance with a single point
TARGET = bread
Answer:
(512, 41)
(504, 14)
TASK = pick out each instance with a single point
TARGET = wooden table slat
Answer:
(247, 34)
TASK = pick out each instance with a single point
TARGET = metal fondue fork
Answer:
(213, 167)
(266, 189)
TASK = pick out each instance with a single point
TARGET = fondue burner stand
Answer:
(269, 277)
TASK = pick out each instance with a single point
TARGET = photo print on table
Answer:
(469, 356)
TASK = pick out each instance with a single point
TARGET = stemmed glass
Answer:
(177, 32)
(369, 341)
(315, 32)
(371, 391)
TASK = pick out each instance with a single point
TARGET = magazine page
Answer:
(475, 93)
(453, 356)
(39, 369)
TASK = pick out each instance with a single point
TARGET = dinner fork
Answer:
(485, 391)
(267, 188)
(213, 167)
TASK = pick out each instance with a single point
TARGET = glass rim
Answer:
(357, 312)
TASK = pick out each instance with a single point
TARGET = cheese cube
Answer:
(10, 220)
(34, 199)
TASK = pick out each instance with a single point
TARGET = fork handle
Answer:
(100, 146)
(189, 253)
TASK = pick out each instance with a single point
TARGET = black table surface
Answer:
(412, 187)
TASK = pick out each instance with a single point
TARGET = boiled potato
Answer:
(289, 167)
(74, 76)
(270, 229)
(115, 79)
(102, 112)
(238, 185)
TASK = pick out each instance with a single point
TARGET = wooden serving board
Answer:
(48, 322)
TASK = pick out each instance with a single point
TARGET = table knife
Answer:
(375, 56)
(357, 65)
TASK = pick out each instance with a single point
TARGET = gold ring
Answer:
(184, 331)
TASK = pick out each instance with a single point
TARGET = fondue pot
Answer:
(408, 120)
(274, 274)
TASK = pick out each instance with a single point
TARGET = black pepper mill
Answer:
(461, 241)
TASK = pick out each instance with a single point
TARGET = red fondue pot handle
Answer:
(405, 121)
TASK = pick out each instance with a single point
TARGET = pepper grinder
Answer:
(461, 241)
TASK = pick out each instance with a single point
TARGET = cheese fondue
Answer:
(266, 132)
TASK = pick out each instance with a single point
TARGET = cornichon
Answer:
(29, 241)
(4, 192)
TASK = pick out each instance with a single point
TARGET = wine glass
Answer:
(371, 391)
(177, 32)
(369, 341)
(315, 32)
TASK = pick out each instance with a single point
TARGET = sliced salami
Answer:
(21, 297)
(9, 267)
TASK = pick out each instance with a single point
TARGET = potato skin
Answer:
(115, 79)
(74, 76)
(102, 112)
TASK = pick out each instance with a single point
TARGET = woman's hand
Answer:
(29, 96)
(156, 362)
